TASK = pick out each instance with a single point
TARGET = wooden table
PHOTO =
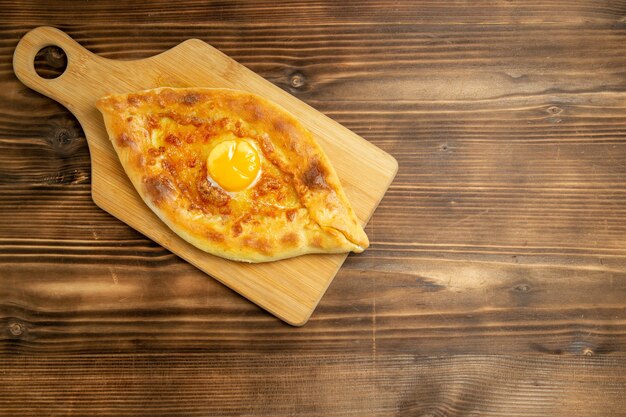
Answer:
(496, 280)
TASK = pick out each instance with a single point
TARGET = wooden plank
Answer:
(133, 296)
(37, 12)
(330, 384)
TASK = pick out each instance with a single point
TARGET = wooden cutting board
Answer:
(289, 289)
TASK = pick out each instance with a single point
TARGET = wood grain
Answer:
(496, 281)
(456, 12)
(321, 384)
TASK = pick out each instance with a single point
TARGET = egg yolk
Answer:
(234, 164)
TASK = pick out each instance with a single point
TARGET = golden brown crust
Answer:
(296, 206)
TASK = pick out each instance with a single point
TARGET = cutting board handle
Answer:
(32, 43)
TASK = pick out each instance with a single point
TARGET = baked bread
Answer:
(231, 173)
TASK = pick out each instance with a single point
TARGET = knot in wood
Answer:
(554, 110)
(16, 328)
(297, 80)
(63, 136)
(522, 288)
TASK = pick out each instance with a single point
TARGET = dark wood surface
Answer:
(496, 280)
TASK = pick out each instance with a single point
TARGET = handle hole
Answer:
(50, 62)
